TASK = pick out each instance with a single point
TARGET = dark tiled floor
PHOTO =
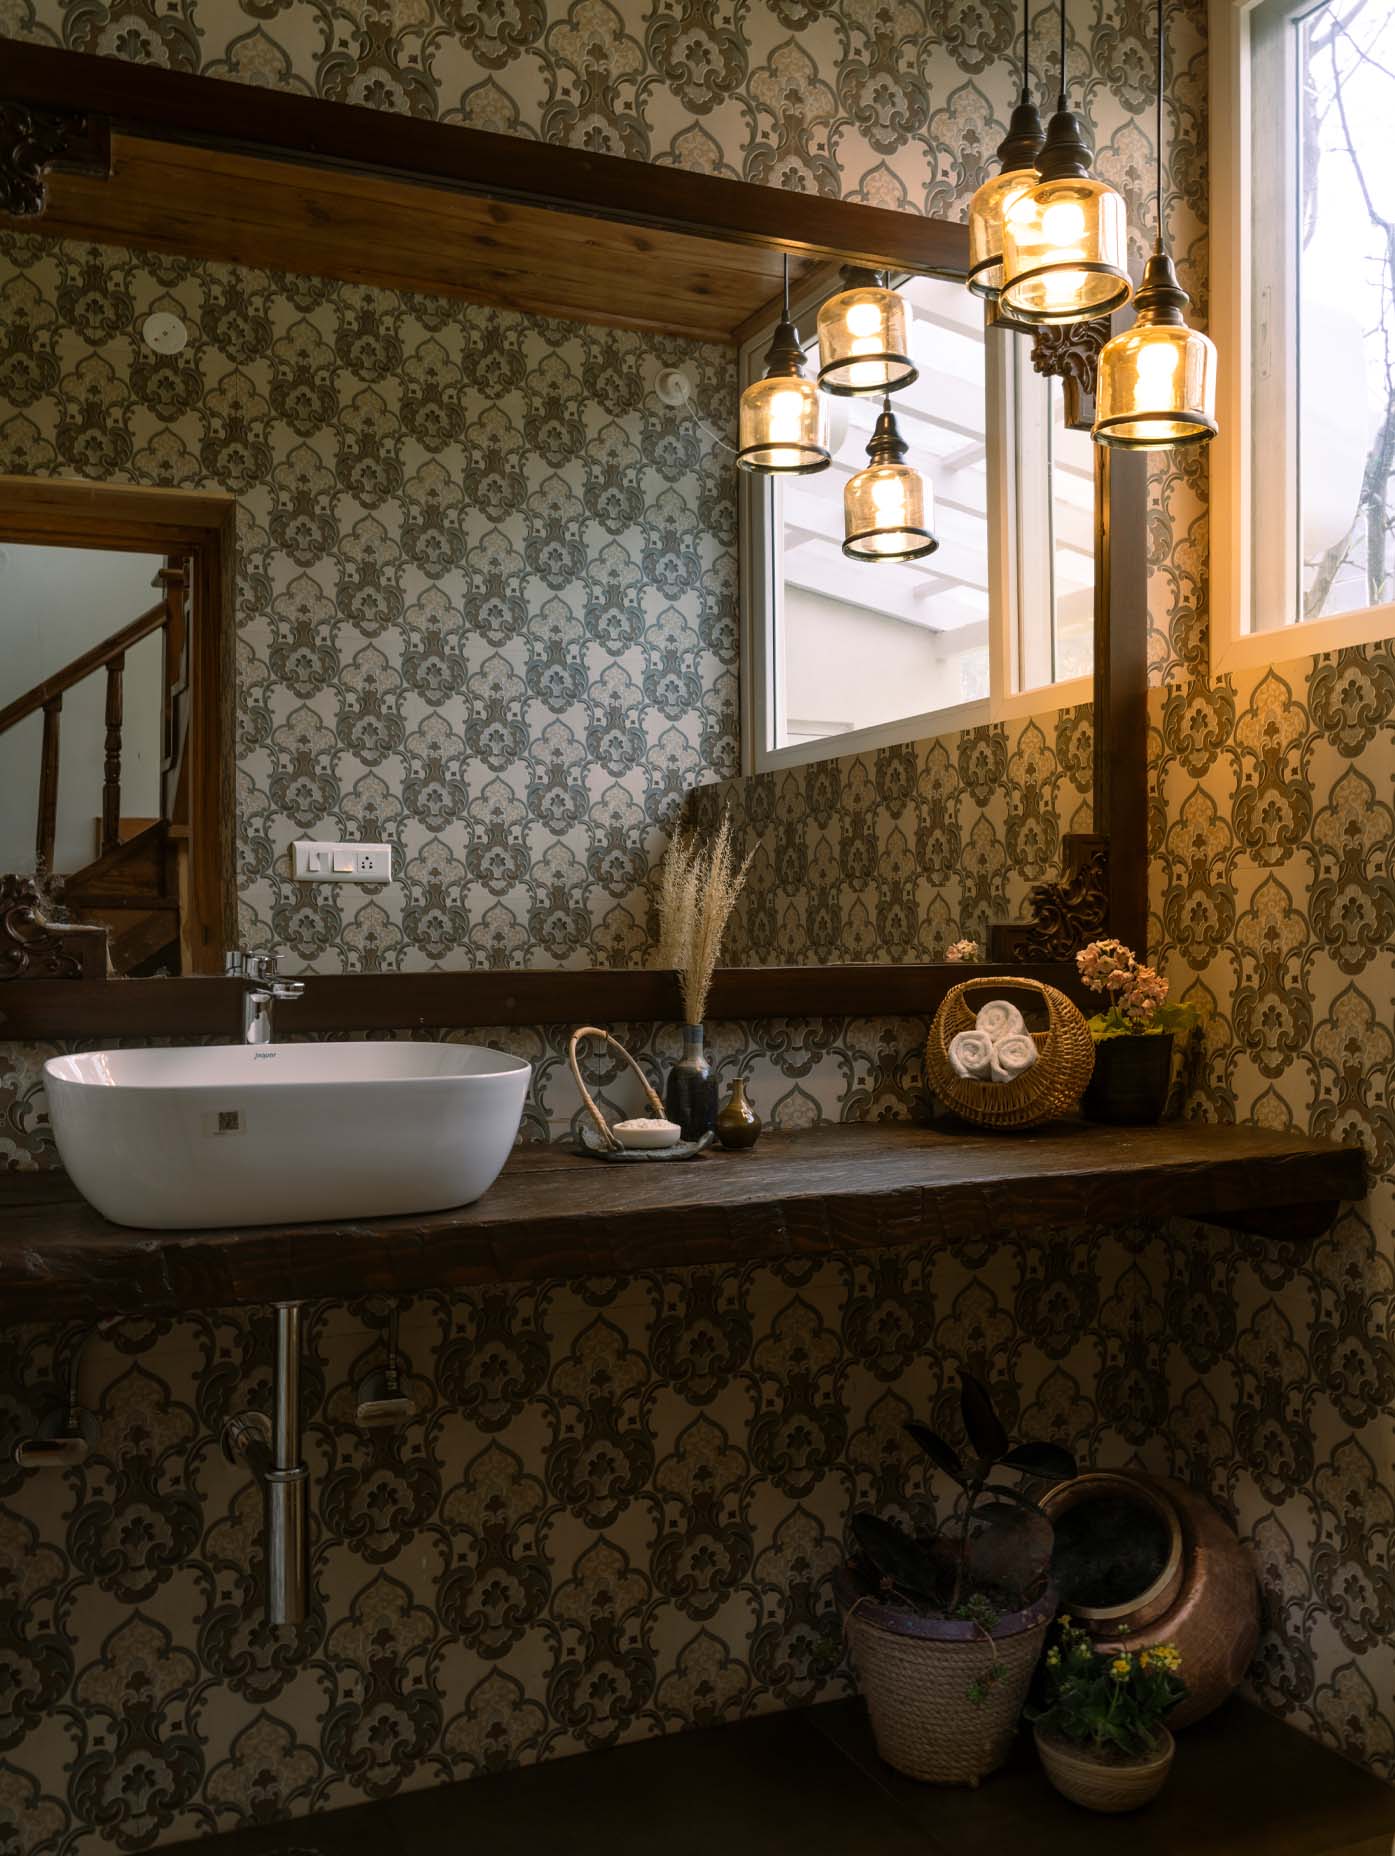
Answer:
(810, 1783)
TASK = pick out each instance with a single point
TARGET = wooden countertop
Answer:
(557, 1214)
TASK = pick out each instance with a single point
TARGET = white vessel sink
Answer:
(283, 1133)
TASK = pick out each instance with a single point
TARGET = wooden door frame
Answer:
(71, 513)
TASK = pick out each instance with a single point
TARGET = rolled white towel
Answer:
(1012, 1056)
(971, 1054)
(998, 1019)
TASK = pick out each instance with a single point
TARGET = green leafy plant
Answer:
(1108, 1703)
(1002, 1547)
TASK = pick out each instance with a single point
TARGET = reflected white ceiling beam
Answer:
(900, 590)
(972, 453)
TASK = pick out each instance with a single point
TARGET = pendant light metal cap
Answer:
(1161, 298)
(1065, 153)
(1021, 145)
(785, 355)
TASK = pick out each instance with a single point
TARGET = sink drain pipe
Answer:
(270, 1448)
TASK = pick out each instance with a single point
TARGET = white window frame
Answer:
(762, 598)
(1234, 644)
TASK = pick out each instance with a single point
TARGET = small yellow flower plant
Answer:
(1110, 1704)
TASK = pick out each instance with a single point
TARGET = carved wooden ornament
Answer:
(34, 945)
(34, 141)
(1071, 352)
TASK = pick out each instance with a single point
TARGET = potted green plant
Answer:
(1133, 1035)
(1100, 1732)
(946, 1630)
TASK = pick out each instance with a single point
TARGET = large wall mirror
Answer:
(478, 579)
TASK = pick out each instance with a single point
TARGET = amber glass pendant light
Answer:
(863, 342)
(1018, 153)
(886, 508)
(783, 415)
(1156, 384)
(1065, 240)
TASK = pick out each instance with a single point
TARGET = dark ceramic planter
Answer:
(690, 1095)
(1131, 1080)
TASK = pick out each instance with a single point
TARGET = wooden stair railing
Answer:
(169, 617)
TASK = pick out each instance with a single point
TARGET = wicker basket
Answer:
(1051, 1088)
(917, 1689)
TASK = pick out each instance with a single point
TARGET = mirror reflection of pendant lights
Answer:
(1156, 382)
(886, 507)
(1018, 153)
(784, 416)
(863, 342)
(1065, 240)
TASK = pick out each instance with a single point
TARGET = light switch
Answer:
(341, 863)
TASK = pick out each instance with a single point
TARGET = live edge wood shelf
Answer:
(557, 1214)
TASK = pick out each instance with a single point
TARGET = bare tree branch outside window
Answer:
(1345, 64)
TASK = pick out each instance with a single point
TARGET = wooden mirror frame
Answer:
(59, 111)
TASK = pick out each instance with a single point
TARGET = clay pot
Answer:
(1128, 1520)
(1105, 1785)
(1213, 1616)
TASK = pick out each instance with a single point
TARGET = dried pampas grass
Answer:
(698, 887)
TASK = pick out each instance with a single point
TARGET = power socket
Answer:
(341, 863)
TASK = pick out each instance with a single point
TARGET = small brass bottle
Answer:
(738, 1124)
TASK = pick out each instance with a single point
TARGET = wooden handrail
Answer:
(105, 653)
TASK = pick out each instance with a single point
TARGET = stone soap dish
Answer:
(590, 1143)
(644, 1138)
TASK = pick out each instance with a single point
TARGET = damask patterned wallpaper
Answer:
(895, 854)
(614, 1514)
(1274, 905)
(486, 585)
(1264, 1374)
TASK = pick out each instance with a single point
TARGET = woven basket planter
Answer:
(1102, 1785)
(916, 1674)
(1051, 1088)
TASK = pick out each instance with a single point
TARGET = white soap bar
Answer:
(647, 1132)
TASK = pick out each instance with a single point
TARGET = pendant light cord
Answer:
(1162, 56)
(787, 267)
(1062, 103)
(1026, 51)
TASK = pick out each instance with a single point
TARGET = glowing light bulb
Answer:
(888, 499)
(1063, 225)
(864, 319)
(784, 424)
(1060, 288)
(1157, 369)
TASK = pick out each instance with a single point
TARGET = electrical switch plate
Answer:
(342, 863)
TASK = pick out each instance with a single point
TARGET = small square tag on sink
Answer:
(223, 1121)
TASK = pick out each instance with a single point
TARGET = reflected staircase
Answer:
(137, 885)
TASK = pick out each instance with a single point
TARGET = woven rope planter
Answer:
(1051, 1088)
(917, 1688)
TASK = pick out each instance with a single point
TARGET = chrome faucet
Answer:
(261, 989)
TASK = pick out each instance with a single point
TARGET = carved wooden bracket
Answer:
(35, 944)
(1062, 916)
(34, 141)
(1071, 352)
